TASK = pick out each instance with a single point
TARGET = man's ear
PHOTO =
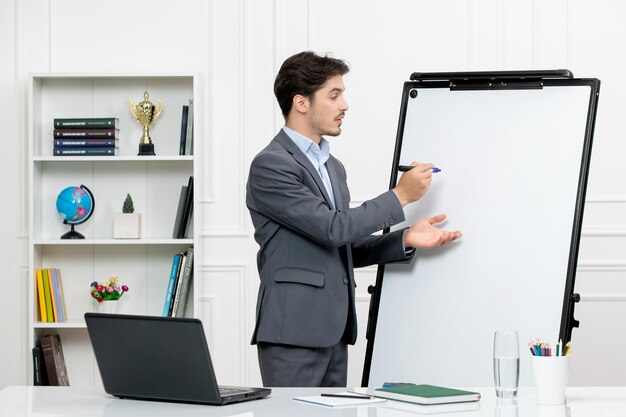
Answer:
(300, 103)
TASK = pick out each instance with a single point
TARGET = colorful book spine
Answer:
(88, 122)
(87, 151)
(171, 283)
(58, 305)
(53, 295)
(179, 280)
(111, 133)
(46, 290)
(64, 313)
(42, 297)
(184, 286)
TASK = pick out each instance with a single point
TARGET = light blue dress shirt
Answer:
(317, 154)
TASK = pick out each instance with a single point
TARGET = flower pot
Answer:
(127, 225)
(108, 306)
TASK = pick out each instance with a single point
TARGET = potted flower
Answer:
(127, 224)
(108, 293)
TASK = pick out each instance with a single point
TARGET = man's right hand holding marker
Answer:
(411, 187)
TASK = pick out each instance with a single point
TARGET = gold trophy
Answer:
(146, 113)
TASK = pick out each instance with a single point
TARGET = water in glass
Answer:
(506, 376)
(506, 363)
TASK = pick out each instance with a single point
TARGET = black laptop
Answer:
(159, 358)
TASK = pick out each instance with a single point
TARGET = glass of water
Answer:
(506, 363)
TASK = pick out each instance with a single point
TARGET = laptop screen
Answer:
(153, 357)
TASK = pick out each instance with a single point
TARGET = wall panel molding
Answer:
(226, 233)
(605, 198)
(243, 114)
(602, 298)
(23, 340)
(614, 265)
(604, 231)
(207, 141)
(239, 267)
(207, 308)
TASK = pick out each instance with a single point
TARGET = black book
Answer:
(40, 375)
(103, 133)
(86, 122)
(85, 143)
(183, 130)
(179, 212)
(86, 151)
(189, 142)
(188, 209)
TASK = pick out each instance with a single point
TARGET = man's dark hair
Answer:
(304, 74)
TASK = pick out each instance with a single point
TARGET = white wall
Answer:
(237, 47)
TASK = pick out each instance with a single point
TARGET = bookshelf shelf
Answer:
(154, 183)
(69, 324)
(113, 242)
(112, 159)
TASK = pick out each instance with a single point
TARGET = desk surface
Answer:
(70, 401)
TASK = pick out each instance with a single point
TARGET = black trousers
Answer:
(296, 366)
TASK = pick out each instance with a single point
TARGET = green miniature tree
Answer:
(128, 206)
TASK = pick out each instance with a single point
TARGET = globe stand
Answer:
(72, 234)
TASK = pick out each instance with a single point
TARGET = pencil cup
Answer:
(550, 374)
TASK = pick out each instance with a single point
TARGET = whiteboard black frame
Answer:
(499, 80)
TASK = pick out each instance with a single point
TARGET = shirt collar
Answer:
(308, 146)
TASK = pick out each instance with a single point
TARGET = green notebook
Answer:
(427, 394)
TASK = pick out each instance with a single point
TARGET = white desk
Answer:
(70, 401)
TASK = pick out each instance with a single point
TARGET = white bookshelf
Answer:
(154, 183)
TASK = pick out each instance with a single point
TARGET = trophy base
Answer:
(146, 149)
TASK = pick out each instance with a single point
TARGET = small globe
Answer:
(75, 204)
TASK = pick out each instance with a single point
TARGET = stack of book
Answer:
(184, 212)
(49, 362)
(50, 295)
(86, 137)
(178, 284)
(186, 130)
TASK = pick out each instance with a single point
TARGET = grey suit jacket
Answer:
(308, 249)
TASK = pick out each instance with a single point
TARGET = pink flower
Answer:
(109, 289)
(100, 288)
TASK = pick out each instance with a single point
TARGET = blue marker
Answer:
(405, 168)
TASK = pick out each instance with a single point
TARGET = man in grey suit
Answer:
(310, 239)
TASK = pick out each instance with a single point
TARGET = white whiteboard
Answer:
(510, 162)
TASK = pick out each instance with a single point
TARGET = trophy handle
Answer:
(158, 108)
(132, 108)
